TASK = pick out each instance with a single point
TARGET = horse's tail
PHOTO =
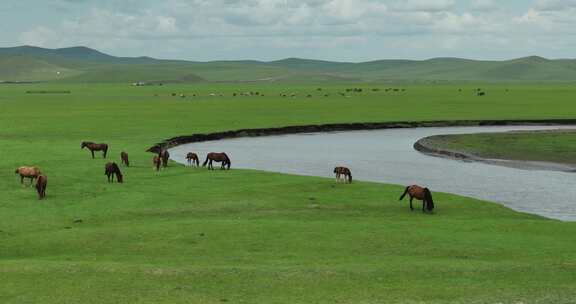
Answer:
(429, 200)
(404, 194)
(350, 177)
(228, 162)
(17, 171)
(206, 161)
(105, 150)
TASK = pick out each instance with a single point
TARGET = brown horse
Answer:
(41, 184)
(217, 157)
(95, 147)
(124, 158)
(112, 169)
(157, 161)
(28, 172)
(422, 194)
(343, 174)
(192, 158)
(165, 156)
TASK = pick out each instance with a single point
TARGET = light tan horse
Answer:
(41, 184)
(343, 174)
(28, 172)
(422, 194)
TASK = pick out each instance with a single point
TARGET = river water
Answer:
(388, 156)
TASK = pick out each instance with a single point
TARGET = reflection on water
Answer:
(388, 156)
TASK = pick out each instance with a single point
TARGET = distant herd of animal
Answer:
(162, 156)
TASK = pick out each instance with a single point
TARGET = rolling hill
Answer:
(82, 64)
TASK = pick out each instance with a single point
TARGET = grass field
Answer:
(549, 146)
(191, 236)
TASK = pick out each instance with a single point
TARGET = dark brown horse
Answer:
(422, 194)
(28, 172)
(343, 174)
(192, 158)
(112, 169)
(157, 161)
(124, 158)
(95, 147)
(217, 157)
(165, 156)
(41, 184)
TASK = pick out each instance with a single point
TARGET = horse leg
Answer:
(92, 151)
(423, 205)
(22, 179)
(411, 207)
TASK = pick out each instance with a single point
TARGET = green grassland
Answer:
(187, 235)
(550, 146)
(85, 65)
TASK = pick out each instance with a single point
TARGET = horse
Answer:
(29, 172)
(345, 172)
(112, 169)
(165, 156)
(157, 161)
(124, 158)
(41, 184)
(422, 194)
(95, 147)
(217, 157)
(192, 158)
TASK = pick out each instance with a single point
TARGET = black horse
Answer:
(112, 169)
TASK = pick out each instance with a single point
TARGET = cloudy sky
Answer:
(343, 30)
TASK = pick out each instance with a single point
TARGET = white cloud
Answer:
(555, 5)
(41, 36)
(484, 5)
(244, 28)
(424, 5)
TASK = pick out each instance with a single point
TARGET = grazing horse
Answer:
(165, 156)
(422, 194)
(343, 174)
(41, 184)
(192, 158)
(124, 158)
(95, 147)
(112, 169)
(29, 172)
(217, 157)
(157, 161)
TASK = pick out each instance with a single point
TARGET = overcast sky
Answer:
(343, 30)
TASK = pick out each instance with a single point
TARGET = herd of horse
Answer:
(162, 156)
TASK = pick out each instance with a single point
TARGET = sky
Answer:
(339, 30)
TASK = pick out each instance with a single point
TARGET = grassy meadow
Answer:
(187, 235)
(549, 146)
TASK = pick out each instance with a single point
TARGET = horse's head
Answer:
(120, 177)
(83, 145)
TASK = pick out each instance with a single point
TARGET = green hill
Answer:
(82, 64)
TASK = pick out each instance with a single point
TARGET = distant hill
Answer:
(82, 64)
